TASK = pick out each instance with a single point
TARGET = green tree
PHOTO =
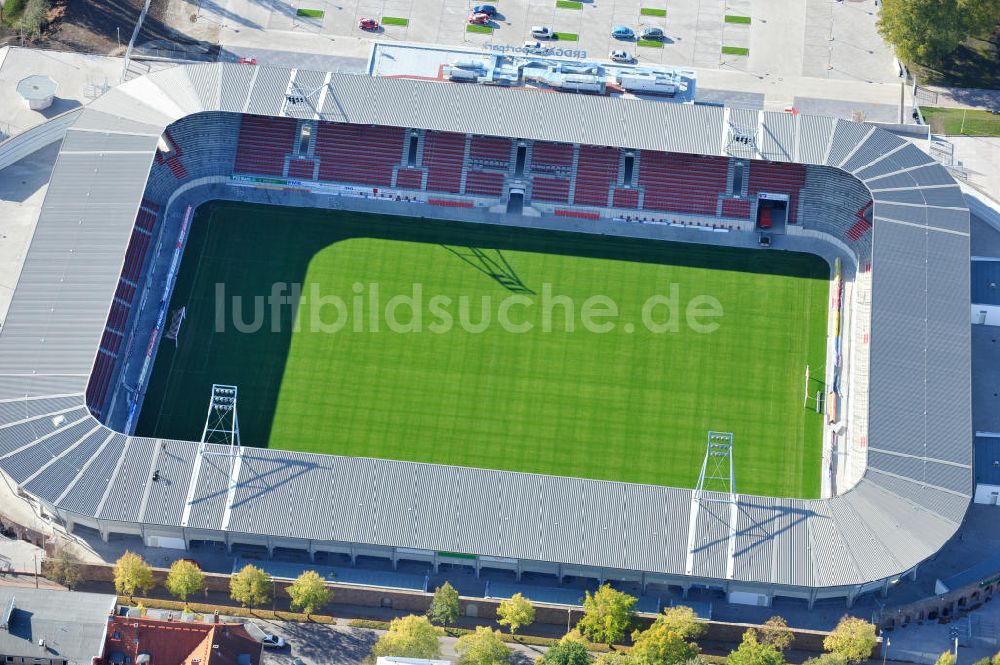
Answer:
(928, 30)
(570, 650)
(669, 640)
(132, 573)
(607, 615)
(184, 579)
(853, 640)
(483, 647)
(63, 567)
(515, 612)
(946, 658)
(754, 652)
(995, 660)
(409, 637)
(250, 587)
(445, 608)
(309, 592)
(35, 17)
(826, 659)
(775, 631)
(615, 658)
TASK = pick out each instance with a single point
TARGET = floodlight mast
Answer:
(717, 473)
(222, 424)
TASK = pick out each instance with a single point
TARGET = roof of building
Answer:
(986, 282)
(988, 460)
(910, 502)
(71, 624)
(179, 643)
(37, 86)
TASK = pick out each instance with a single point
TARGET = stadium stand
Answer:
(825, 197)
(863, 223)
(545, 188)
(738, 208)
(551, 171)
(682, 183)
(263, 143)
(625, 197)
(358, 153)
(596, 172)
(444, 156)
(409, 178)
(301, 168)
(488, 152)
(173, 162)
(484, 183)
(778, 179)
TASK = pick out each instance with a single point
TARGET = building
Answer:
(49, 627)
(988, 470)
(986, 292)
(134, 640)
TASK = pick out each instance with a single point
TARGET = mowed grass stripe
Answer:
(617, 406)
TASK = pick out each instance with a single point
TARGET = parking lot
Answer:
(814, 38)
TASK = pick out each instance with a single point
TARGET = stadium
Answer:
(847, 478)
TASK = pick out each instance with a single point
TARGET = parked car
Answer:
(478, 19)
(621, 56)
(533, 47)
(652, 33)
(248, 61)
(622, 32)
(273, 641)
(542, 32)
(366, 23)
(489, 10)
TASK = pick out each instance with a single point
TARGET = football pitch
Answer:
(496, 347)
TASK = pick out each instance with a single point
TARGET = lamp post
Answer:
(885, 651)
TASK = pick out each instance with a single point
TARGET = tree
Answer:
(515, 612)
(607, 615)
(615, 658)
(754, 652)
(35, 17)
(184, 579)
(775, 631)
(929, 30)
(946, 658)
(445, 608)
(568, 651)
(309, 592)
(995, 660)
(409, 637)
(132, 573)
(669, 640)
(826, 659)
(853, 640)
(251, 586)
(483, 647)
(63, 567)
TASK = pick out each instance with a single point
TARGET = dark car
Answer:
(489, 10)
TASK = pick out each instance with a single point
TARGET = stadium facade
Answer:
(87, 314)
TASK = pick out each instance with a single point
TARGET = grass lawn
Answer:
(566, 36)
(735, 50)
(569, 4)
(616, 405)
(652, 11)
(972, 65)
(473, 27)
(650, 43)
(394, 20)
(949, 121)
(310, 13)
(732, 18)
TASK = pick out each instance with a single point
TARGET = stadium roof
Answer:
(911, 500)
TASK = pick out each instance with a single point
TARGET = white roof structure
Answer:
(910, 501)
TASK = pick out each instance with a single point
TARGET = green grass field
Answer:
(971, 122)
(618, 405)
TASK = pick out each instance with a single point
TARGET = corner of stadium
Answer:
(92, 306)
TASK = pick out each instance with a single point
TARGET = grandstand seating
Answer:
(489, 152)
(263, 143)
(779, 179)
(738, 208)
(826, 194)
(625, 197)
(596, 172)
(551, 158)
(862, 223)
(301, 168)
(363, 154)
(174, 161)
(444, 156)
(545, 188)
(409, 178)
(486, 183)
(676, 182)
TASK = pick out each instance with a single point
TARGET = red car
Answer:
(479, 19)
(368, 24)
(248, 61)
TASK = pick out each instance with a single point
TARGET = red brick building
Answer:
(132, 641)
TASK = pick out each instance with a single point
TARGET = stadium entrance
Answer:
(772, 212)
